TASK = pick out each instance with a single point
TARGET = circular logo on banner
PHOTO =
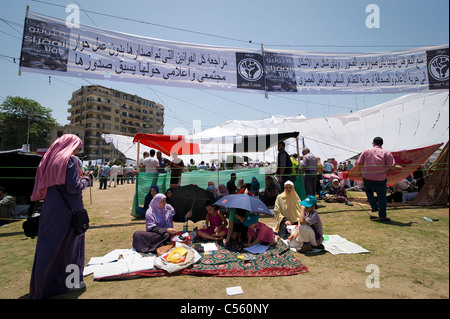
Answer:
(250, 69)
(438, 67)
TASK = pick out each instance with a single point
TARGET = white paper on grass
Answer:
(231, 291)
(118, 262)
(338, 245)
(209, 247)
(109, 257)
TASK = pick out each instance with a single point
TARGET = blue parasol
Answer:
(244, 201)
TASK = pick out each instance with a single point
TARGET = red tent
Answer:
(410, 160)
(167, 144)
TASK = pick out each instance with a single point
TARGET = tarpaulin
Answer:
(409, 160)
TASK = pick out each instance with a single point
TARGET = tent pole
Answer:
(137, 157)
(218, 167)
(298, 148)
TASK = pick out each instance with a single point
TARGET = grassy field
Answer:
(411, 254)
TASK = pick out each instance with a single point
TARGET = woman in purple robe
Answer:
(59, 257)
(159, 226)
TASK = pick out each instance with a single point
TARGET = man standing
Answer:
(231, 185)
(113, 174)
(151, 163)
(294, 160)
(327, 167)
(90, 168)
(309, 169)
(375, 163)
(129, 173)
(103, 175)
(284, 166)
(151, 166)
(163, 163)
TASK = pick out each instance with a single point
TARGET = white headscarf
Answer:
(175, 158)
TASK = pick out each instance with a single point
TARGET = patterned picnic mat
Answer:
(276, 261)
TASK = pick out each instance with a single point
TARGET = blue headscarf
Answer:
(255, 184)
(149, 197)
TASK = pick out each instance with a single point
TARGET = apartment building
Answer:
(101, 110)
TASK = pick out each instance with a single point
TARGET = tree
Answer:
(15, 113)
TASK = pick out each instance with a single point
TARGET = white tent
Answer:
(412, 121)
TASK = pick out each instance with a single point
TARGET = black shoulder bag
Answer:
(80, 219)
(31, 225)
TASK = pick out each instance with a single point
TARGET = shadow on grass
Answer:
(91, 227)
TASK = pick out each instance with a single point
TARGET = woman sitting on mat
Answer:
(287, 210)
(159, 226)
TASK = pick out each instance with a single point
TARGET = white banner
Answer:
(50, 47)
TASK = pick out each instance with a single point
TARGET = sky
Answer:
(314, 26)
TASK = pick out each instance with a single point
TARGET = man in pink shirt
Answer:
(375, 163)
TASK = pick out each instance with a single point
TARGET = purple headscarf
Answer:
(157, 216)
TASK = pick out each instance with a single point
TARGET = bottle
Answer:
(428, 219)
(185, 227)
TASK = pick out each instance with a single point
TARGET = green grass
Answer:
(413, 256)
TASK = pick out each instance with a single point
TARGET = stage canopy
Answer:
(167, 144)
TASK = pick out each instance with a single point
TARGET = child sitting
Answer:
(309, 233)
(258, 232)
(216, 224)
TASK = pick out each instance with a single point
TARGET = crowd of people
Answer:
(237, 225)
(297, 221)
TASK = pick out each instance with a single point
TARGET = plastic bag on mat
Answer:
(192, 257)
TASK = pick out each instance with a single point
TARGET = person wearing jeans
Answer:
(380, 188)
(375, 163)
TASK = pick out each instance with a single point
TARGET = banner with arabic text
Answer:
(50, 47)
